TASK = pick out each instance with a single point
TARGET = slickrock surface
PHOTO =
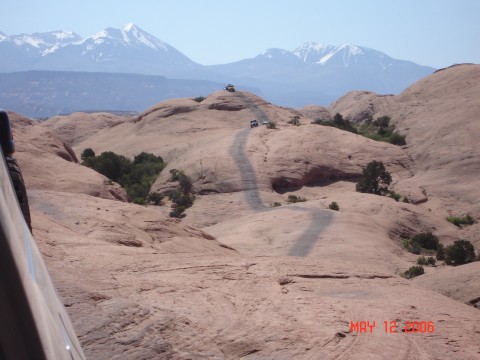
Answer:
(238, 278)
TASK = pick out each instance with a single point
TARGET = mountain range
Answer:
(126, 50)
(311, 73)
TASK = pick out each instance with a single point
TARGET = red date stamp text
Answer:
(393, 326)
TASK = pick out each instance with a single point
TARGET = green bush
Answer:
(459, 221)
(295, 199)
(276, 204)
(155, 198)
(381, 130)
(395, 196)
(422, 260)
(319, 121)
(334, 206)
(338, 122)
(139, 201)
(375, 179)
(144, 157)
(414, 271)
(181, 197)
(185, 184)
(426, 240)
(137, 190)
(146, 169)
(384, 132)
(175, 174)
(398, 139)
(440, 252)
(111, 165)
(177, 212)
(461, 252)
(295, 121)
(454, 220)
(415, 248)
(426, 261)
(184, 181)
(344, 124)
(136, 177)
(87, 153)
(271, 125)
(383, 121)
(199, 99)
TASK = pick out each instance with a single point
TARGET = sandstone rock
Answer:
(247, 273)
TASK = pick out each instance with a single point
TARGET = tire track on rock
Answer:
(319, 219)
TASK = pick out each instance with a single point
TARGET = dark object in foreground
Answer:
(34, 322)
(8, 148)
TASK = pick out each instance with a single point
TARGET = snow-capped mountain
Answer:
(41, 41)
(22, 52)
(316, 73)
(129, 35)
(126, 50)
(311, 52)
(344, 55)
(317, 58)
(310, 74)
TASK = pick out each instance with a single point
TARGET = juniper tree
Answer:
(375, 179)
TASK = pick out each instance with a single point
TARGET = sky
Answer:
(435, 33)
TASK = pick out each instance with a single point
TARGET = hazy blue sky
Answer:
(437, 33)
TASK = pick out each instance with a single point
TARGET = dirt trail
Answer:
(319, 219)
(246, 170)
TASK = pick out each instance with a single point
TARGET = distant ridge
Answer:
(41, 94)
(454, 65)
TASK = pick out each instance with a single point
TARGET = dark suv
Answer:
(230, 87)
(8, 148)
